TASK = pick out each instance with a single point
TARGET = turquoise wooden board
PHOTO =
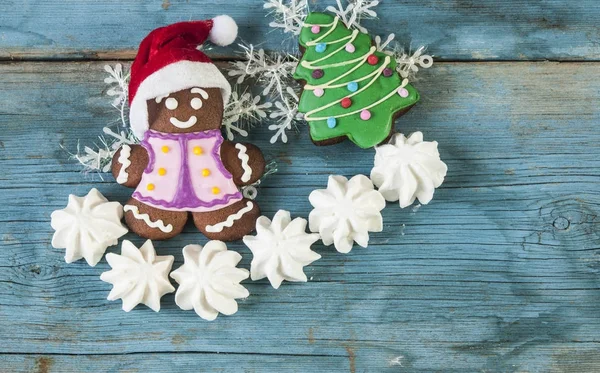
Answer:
(499, 273)
(453, 30)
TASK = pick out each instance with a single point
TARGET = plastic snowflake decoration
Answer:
(288, 17)
(286, 116)
(346, 212)
(87, 227)
(281, 249)
(273, 71)
(407, 65)
(241, 111)
(407, 169)
(99, 158)
(355, 12)
(138, 276)
(209, 281)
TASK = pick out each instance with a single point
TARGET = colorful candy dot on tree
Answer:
(315, 29)
(346, 102)
(352, 86)
(372, 59)
(365, 115)
(317, 74)
(331, 122)
(403, 92)
(350, 48)
(320, 48)
(319, 92)
(387, 72)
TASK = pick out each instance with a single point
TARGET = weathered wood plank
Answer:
(454, 30)
(499, 273)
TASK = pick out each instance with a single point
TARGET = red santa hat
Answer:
(168, 61)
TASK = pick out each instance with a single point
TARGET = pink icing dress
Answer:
(185, 172)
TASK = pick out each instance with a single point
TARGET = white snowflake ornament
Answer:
(407, 169)
(87, 227)
(281, 249)
(138, 276)
(346, 212)
(209, 281)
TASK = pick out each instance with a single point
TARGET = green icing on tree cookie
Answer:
(351, 89)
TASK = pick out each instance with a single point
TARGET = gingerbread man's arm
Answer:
(244, 161)
(128, 165)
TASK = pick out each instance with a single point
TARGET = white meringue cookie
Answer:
(87, 227)
(281, 249)
(138, 276)
(209, 281)
(407, 169)
(346, 211)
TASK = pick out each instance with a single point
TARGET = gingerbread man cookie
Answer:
(183, 166)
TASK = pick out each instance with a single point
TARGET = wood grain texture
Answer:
(501, 272)
(453, 30)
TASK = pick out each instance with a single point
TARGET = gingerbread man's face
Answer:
(189, 110)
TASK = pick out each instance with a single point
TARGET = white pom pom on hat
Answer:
(224, 30)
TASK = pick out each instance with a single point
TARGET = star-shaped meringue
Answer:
(87, 227)
(407, 169)
(346, 212)
(209, 281)
(281, 249)
(138, 276)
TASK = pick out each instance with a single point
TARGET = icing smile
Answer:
(187, 124)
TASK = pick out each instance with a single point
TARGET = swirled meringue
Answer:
(87, 227)
(407, 169)
(281, 249)
(346, 212)
(138, 276)
(209, 281)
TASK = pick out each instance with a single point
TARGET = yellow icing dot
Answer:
(165, 149)
(150, 186)
(205, 172)
(197, 150)
(216, 190)
(162, 171)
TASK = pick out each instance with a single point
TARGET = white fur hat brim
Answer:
(172, 78)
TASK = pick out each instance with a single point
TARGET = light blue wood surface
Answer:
(500, 273)
(453, 29)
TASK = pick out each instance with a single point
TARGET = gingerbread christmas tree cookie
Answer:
(350, 88)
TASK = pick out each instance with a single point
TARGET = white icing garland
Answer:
(125, 162)
(393, 92)
(244, 159)
(146, 218)
(228, 223)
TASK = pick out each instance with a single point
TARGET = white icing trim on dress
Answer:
(125, 162)
(217, 228)
(146, 218)
(244, 159)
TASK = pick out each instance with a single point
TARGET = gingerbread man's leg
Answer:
(229, 223)
(150, 222)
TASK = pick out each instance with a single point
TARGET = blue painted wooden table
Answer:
(500, 273)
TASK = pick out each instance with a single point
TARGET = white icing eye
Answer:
(196, 103)
(171, 103)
